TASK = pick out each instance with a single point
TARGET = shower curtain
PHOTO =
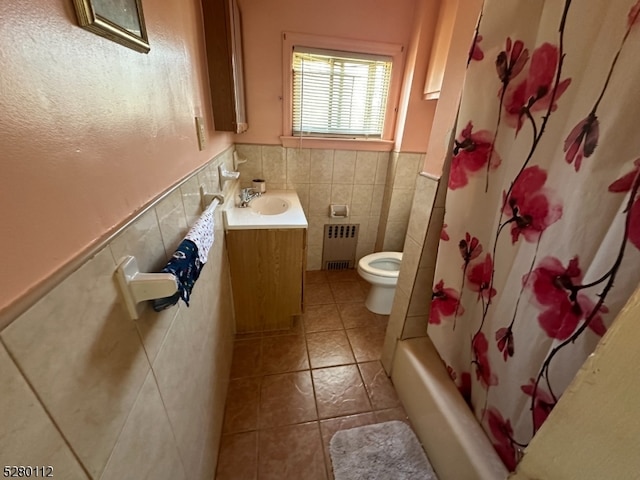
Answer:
(541, 243)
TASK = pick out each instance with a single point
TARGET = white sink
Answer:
(268, 205)
(274, 209)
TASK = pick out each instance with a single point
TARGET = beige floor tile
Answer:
(287, 353)
(243, 400)
(286, 399)
(238, 459)
(318, 318)
(390, 414)
(328, 349)
(379, 386)
(347, 292)
(291, 452)
(318, 294)
(366, 343)
(349, 275)
(339, 391)
(356, 315)
(247, 358)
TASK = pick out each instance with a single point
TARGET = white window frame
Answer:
(396, 52)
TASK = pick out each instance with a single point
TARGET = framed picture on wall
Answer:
(119, 20)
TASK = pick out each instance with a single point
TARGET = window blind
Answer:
(339, 93)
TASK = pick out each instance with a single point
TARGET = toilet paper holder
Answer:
(338, 211)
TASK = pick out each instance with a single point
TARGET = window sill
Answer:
(338, 143)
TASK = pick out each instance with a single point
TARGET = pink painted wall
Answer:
(373, 20)
(415, 115)
(464, 15)
(91, 131)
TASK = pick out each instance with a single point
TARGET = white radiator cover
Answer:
(339, 246)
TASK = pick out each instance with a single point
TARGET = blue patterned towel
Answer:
(185, 264)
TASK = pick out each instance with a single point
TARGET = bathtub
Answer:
(456, 445)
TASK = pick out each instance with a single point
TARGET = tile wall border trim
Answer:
(23, 303)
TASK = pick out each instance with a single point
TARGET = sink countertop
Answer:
(236, 218)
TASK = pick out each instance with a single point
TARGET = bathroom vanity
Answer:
(267, 246)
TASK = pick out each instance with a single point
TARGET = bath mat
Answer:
(382, 451)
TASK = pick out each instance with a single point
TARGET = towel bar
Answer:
(207, 198)
(137, 287)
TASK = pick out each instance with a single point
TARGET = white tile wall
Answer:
(88, 390)
(355, 178)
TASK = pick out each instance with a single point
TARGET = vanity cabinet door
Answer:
(223, 40)
(267, 270)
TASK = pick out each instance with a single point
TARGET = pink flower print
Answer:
(534, 93)
(542, 405)
(555, 288)
(502, 434)
(480, 347)
(504, 337)
(550, 280)
(476, 52)
(479, 277)
(511, 61)
(530, 206)
(443, 233)
(584, 134)
(445, 303)
(470, 154)
(561, 321)
(625, 184)
(470, 248)
(633, 16)
(552, 286)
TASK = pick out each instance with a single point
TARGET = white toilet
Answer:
(381, 271)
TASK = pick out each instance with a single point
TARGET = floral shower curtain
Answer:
(540, 247)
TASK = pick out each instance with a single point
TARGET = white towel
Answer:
(202, 233)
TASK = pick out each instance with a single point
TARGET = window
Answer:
(339, 94)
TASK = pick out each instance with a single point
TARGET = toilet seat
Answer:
(366, 264)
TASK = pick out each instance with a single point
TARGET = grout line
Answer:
(47, 412)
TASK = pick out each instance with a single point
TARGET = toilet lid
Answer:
(367, 263)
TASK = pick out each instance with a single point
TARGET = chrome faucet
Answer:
(246, 195)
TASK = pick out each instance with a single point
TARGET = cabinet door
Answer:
(223, 40)
(266, 276)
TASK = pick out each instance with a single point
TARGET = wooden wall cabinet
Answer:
(223, 40)
(267, 277)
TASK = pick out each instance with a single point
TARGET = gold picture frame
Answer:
(121, 21)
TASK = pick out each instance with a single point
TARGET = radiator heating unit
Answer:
(339, 246)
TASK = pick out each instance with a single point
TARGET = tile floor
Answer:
(291, 391)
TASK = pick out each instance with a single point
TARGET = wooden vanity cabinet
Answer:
(223, 40)
(267, 277)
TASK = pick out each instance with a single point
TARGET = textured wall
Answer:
(97, 395)
(264, 22)
(90, 130)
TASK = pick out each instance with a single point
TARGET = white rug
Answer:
(381, 451)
